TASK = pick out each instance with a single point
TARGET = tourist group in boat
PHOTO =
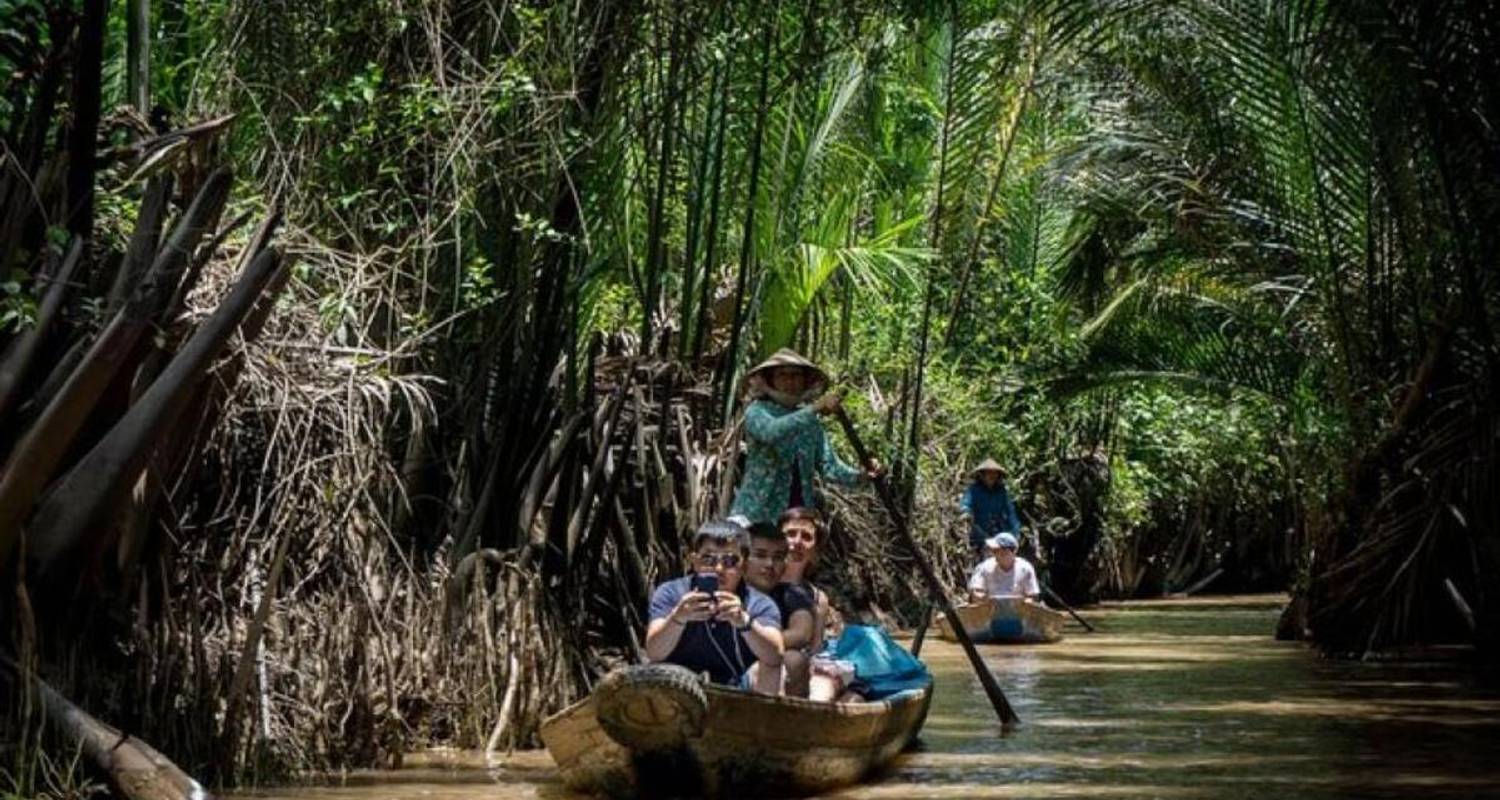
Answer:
(747, 614)
(755, 685)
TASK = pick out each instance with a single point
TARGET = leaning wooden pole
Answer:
(934, 586)
(1056, 598)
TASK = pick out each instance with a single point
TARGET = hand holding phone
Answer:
(706, 582)
(698, 604)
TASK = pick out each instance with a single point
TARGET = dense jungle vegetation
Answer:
(366, 361)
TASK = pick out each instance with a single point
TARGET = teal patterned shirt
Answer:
(777, 437)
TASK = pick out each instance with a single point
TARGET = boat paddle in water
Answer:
(658, 730)
(1005, 620)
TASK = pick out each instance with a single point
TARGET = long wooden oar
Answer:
(921, 634)
(1058, 600)
(934, 586)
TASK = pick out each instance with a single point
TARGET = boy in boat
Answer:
(1004, 574)
(779, 558)
(987, 506)
(711, 621)
(795, 602)
(785, 442)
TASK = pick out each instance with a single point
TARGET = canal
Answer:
(1187, 698)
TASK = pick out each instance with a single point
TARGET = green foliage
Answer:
(1198, 237)
(17, 306)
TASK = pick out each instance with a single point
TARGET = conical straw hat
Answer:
(788, 358)
(989, 464)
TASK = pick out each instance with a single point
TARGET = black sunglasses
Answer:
(726, 560)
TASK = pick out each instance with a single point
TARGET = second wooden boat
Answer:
(1005, 620)
(660, 731)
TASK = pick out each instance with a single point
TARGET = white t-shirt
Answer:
(989, 578)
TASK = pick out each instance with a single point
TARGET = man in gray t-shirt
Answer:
(721, 632)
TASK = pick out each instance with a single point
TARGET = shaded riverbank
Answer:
(1169, 699)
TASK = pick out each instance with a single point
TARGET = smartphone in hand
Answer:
(706, 582)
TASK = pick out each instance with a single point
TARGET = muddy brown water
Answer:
(1169, 699)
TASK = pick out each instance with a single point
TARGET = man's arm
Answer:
(662, 636)
(1029, 586)
(765, 641)
(762, 631)
(799, 630)
(664, 630)
(976, 584)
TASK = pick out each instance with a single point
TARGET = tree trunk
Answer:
(138, 54)
(84, 135)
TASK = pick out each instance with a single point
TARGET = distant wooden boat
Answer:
(660, 731)
(1005, 620)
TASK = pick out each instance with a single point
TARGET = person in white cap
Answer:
(1004, 574)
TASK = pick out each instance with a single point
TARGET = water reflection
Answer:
(1167, 700)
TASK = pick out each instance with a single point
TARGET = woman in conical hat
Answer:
(785, 441)
(988, 465)
(988, 507)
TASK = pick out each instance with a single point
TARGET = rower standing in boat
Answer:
(1004, 574)
(987, 506)
(712, 621)
(786, 443)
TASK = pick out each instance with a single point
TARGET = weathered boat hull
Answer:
(1005, 621)
(751, 746)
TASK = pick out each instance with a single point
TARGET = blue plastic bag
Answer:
(879, 663)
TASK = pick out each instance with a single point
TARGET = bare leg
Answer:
(765, 680)
(825, 688)
(797, 667)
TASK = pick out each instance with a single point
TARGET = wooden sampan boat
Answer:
(661, 731)
(1004, 620)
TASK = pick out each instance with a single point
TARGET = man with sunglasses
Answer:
(721, 632)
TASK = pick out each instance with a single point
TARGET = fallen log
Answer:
(136, 769)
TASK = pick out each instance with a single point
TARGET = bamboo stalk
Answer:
(935, 242)
(657, 227)
(730, 367)
(138, 54)
(703, 329)
(83, 136)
